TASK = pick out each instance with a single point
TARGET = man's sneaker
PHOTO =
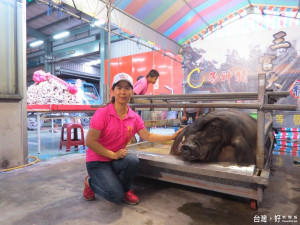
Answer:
(131, 198)
(88, 193)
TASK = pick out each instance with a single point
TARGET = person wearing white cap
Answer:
(110, 169)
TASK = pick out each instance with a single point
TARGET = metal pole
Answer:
(52, 126)
(109, 53)
(215, 105)
(260, 122)
(102, 67)
(39, 132)
(214, 96)
(236, 95)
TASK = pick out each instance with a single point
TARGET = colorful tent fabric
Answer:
(182, 21)
(185, 20)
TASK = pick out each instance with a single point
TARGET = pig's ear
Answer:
(179, 146)
(177, 142)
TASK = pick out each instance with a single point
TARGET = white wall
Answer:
(127, 47)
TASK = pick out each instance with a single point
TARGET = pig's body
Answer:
(219, 136)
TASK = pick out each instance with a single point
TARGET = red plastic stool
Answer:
(71, 141)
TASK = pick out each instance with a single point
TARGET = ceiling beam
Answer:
(35, 33)
(28, 4)
(36, 17)
(56, 23)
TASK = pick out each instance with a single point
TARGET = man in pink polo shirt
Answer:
(141, 86)
(111, 170)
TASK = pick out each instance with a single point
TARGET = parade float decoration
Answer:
(49, 89)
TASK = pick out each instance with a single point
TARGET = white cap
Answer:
(122, 76)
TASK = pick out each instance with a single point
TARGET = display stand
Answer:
(247, 182)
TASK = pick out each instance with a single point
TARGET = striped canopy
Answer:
(184, 20)
(181, 21)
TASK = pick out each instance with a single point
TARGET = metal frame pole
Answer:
(213, 105)
(102, 66)
(260, 121)
(109, 52)
(39, 132)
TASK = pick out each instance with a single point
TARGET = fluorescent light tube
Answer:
(36, 43)
(61, 35)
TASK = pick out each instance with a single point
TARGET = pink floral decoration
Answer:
(41, 76)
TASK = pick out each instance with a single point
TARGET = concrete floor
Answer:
(49, 193)
(49, 146)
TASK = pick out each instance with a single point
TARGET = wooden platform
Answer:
(228, 178)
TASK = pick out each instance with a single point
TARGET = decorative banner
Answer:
(232, 65)
(295, 89)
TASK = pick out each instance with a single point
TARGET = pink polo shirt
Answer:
(115, 133)
(141, 86)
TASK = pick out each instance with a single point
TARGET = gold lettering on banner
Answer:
(297, 119)
(279, 41)
(188, 78)
(279, 119)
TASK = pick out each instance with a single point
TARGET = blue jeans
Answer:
(112, 179)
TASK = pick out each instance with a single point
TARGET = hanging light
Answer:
(61, 35)
(97, 23)
(36, 43)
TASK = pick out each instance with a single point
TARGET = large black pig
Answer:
(219, 136)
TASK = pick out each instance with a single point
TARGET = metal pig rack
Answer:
(247, 182)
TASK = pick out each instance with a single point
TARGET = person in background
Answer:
(139, 77)
(194, 113)
(141, 86)
(110, 168)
